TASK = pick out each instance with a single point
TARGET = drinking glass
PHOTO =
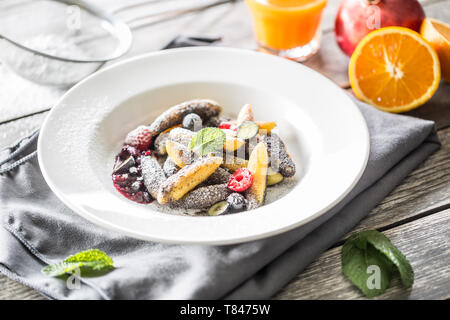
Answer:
(288, 28)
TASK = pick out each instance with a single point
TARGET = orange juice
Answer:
(286, 24)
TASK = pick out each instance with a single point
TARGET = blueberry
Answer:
(236, 201)
(192, 122)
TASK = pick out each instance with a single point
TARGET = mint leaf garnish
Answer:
(369, 260)
(355, 264)
(385, 246)
(60, 268)
(207, 140)
(92, 259)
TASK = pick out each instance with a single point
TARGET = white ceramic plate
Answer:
(323, 129)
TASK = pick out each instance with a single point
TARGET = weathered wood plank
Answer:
(437, 108)
(12, 290)
(424, 242)
(424, 190)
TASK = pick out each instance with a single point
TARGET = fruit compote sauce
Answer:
(127, 175)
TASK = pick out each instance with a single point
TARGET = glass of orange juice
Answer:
(288, 28)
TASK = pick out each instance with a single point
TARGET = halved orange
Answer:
(394, 69)
(437, 33)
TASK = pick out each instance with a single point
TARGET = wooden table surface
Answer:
(415, 216)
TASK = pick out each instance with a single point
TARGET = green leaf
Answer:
(60, 268)
(355, 264)
(92, 259)
(207, 140)
(385, 246)
(373, 249)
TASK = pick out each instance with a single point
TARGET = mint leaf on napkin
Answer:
(60, 268)
(207, 140)
(92, 259)
(369, 260)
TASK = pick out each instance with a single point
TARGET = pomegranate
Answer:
(356, 18)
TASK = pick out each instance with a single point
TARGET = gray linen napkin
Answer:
(38, 229)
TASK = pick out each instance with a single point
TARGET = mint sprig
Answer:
(207, 140)
(366, 252)
(92, 259)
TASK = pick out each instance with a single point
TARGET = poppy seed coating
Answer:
(277, 152)
(174, 115)
(204, 197)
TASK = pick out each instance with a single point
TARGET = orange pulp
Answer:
(285, 24)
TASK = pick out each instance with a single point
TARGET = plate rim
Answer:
(234, 240)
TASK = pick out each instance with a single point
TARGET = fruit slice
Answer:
(177, 185)
(125, 165)
(394, 69)
(232, 143)
(179, 154)
(257, 164)
(245, 114)
(219, 208)
(234, 163)
(437, 33)
(273, 177)
(265, 127)
(171, 128)
(247, 130)
(181, 135)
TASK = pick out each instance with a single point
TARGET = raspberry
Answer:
(139, 138)
(240, 180)
(227, 125)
